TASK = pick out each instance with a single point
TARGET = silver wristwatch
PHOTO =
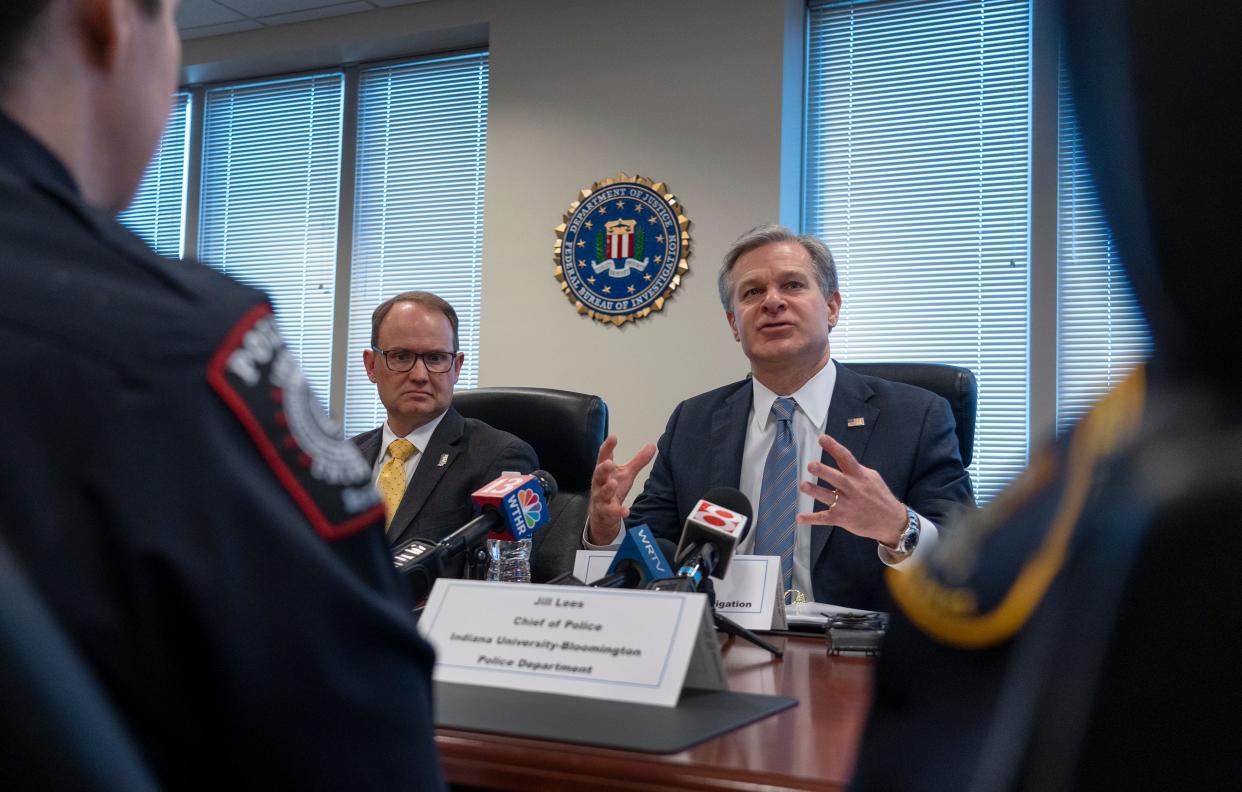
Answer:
(909, 537)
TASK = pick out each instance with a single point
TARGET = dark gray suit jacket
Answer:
(462, 456)
(907, 436)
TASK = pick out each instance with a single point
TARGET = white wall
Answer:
(705, 83)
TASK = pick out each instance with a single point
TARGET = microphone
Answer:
(638, 561)
(666, 547)
(512, 507)
(521, 502)
(713, 528)
(715, 525)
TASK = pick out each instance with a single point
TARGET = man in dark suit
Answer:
(426, 459)
(883, 456)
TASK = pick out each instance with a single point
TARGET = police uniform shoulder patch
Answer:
(264, 386)
(985, 578)
(622, 249)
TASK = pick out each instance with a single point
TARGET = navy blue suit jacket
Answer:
(907, 436)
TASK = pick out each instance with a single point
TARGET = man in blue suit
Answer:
(883, 459)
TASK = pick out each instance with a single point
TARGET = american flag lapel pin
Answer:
(443, 460)
(853, 422)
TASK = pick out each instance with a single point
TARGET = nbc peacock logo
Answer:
(532, 508)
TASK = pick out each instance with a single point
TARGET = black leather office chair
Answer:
(57, 728)
(566, 430)
(957, 385)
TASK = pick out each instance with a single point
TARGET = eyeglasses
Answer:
(402, 360)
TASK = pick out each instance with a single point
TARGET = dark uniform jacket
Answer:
(1072, 636)
(463, 455)
(1082, 631)
(179, 501)
(907, 436)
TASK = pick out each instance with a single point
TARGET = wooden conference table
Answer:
(811, 746)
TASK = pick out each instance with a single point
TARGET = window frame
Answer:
(342, 357)
(1042, 230)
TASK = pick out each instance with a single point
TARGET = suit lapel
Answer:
(728, 440)
(443, 444)
(369, 444)
(851, 398)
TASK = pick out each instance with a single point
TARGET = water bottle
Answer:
(509, 561)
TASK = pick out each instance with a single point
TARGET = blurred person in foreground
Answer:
(171, 488)
(1081, 633)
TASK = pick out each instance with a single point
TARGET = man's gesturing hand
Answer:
(609, 486)
(860, 501)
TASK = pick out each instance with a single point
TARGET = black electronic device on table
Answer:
(856, 633)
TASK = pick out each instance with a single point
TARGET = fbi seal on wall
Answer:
(622, 249)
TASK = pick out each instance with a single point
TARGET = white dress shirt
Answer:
(420, 437)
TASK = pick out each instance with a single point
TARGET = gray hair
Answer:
(757, 237)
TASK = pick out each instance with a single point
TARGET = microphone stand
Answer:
(477, 561)
(729, 627)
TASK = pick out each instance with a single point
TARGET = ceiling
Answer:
(198, 18)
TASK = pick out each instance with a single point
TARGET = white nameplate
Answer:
(591, 565)
(750, 595)
(598, 643)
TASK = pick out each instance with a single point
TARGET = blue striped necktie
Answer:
(778, 495)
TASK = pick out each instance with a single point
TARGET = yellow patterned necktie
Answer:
(391, 481)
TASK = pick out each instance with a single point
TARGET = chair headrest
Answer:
(565, 428)
(957, 385)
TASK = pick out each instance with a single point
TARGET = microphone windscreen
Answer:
(666, 547)
(550, 487)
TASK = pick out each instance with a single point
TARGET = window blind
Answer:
(1101, 333)
(270, 189)
(418, 216)
(157, 213)
(916, 176)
